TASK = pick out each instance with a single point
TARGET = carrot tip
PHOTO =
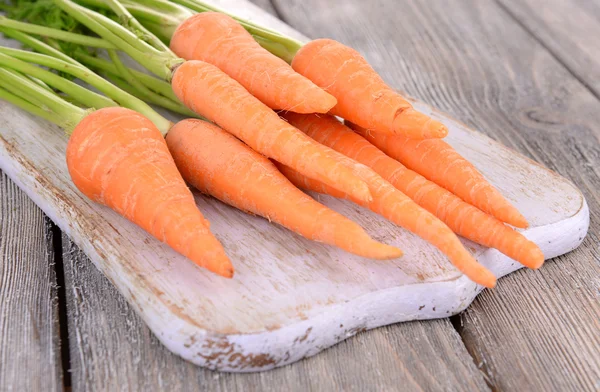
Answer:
(518, 220)
(482, 276)
(389, 252)
(435, 129)
(373, 249)
(396, 253)
(491, 284)
(536, 260)
(226, 271)
(327, 103)
(363, 193)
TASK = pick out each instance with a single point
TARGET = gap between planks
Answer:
(63, 320)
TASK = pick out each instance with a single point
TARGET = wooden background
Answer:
(525, 72)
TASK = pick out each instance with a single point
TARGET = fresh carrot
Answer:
(218, 39)
(461, 217)
(211, 93)
(362, 96)
(437, 161)
(218, 164)
(118, 158)
(398, 208)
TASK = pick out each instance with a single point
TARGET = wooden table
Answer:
(525, 72)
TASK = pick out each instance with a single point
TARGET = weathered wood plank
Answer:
(286, 287)
(570, 29)
(539, 329)
(266, 5)
(29, 331)
(112, 349)
(523, 348)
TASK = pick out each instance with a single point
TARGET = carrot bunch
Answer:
(388, 157)
(119, 157)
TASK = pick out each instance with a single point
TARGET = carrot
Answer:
(362, 96)
(211, 93)
(437, 161)
(461, 217)
(392, 204)
(220, 40)
(115, 156)
(119, 158)
(235, 174)
(398, 208)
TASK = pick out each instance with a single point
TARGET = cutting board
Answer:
(290, 297)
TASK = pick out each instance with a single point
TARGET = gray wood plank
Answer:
(112, 349)
(570, 29)
(29, 331)
(539, 329)
(266, 5)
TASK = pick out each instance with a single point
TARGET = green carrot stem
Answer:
(37, 45)
(123, 98)
(128, 36)
(155, 16)
(163, 31)
(149, 7)
(55, 33)
(159, 11)
(65, 114)
(280, 48)
(145, 93)
(159, 63)
(12, 83)
(71, 100)
(157, 85)
(172, 106)
(132, 24)
(159, 16)
(12, 58)
(29, 107)
(40, 83)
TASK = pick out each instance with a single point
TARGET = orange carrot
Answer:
(437, 161)
(395, 206)
(209, 92)
(362, 96)
(461, 217)
(398, 208)
(119, 158)
(218, 164)
(219, 40)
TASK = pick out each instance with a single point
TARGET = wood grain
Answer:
(569, 29)
(291, 297)
(112, 349)
(29, 333)
(444, 96)
(537, 330)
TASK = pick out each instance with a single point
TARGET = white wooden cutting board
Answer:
(290, 297)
